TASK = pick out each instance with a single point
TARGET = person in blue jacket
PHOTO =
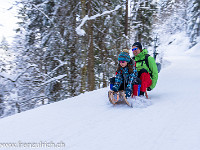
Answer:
(125, 74)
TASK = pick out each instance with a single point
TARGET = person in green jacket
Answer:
(148, 73)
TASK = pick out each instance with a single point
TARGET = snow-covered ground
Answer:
(90, 122)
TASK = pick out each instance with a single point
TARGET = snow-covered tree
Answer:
(193, 15)
(172, 16)
(142, 19)
(102, 42)
(7, 86)
(52, 61)
(110, 39)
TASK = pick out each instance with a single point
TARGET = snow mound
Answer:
(141, 102)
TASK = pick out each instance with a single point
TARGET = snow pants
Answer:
(145, 79)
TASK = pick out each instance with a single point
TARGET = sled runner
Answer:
(146, 95)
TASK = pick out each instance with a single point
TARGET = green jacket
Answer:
(152, 65)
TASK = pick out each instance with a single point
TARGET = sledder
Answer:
(122, 84)
(146, 67)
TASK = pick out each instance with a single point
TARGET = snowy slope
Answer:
(89, 122)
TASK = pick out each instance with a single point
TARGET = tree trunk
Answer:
(84, 50)
(126, 19)
(73, 66)
(91, 77)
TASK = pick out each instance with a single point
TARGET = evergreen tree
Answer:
(109, 40)
(143, 17)
(50, 44)
(172, 16)
(30, 52)
(193, 28)
(101, 49)
(53, 61)
(7, 86)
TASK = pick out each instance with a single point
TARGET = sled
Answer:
(118, 97)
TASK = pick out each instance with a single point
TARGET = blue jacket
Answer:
(122, 75)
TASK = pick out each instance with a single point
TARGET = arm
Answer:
(118, 80)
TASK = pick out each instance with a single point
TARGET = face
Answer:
(123, 63)
(135, 50)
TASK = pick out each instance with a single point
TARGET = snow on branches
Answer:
(81, 32)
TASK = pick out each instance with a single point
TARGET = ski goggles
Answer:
(134, 49)
(122, 61)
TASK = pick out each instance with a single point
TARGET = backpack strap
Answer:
(146, 61)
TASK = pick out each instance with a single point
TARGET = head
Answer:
(123, 63)
(124, 58)
(136, 48)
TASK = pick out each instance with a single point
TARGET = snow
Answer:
(81, 32)
(54, 79)
(194, 51)
(90, 122)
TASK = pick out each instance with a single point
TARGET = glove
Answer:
(114, 89)
(128, 92)
(148, 89)
(137, 81)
